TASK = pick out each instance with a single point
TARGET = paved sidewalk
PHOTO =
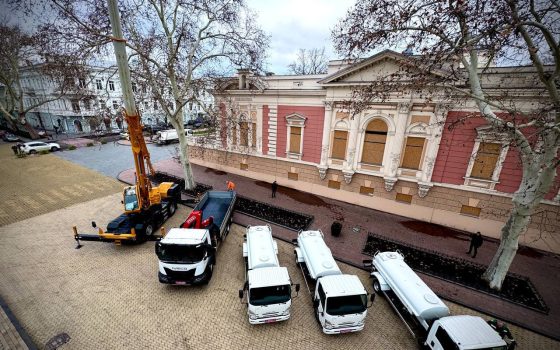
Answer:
(542, 267)
(12, 335)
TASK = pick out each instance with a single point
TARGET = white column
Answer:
(397, 141)
(432, 150)
(323, 166)
(272, 129)
(259, 129)
(350, 164)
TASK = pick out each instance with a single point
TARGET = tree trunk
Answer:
(30, 129)
(184, 155)
(509, 242)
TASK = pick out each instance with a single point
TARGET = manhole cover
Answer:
(57, 341)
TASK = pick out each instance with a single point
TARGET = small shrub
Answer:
(72, 147)
(44, 152)
(90, 144)
(103, 142)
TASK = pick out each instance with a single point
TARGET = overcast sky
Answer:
(298, 24)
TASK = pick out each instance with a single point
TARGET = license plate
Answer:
(346, 331)
(181, 283)
(270, 321)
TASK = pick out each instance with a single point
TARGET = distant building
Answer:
(98, 104)
(398, 156)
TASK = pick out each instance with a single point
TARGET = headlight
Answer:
(252, 315)
(328, 325)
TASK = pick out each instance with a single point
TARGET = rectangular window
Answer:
(293, 176)
(295, 139)
(82, 83)
(111, 85)
(76, 106)
(339, 144)
(486, 160)
(413, 153)
(234, 135)
(115, 105)
(471, 211)
(445, 340)
(146, 105)
(134, 87)
(87, 104)
(243, 166)
(366, 190)
(374, 147)
(244, 134)
(98, 84)
(254, 134)
(334, 184)
(404, 198)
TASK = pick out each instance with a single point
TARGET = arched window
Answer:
(374, 142)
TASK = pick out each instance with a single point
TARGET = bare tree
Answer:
(176, 46)
(37, 54)
(312, 61)
(451, 38)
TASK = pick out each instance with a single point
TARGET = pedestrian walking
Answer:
(15, 149)
(274, 188)
(230, 185)
(19, 148)
(476, 242)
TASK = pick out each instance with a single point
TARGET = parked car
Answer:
(10, 138)
(34, 147)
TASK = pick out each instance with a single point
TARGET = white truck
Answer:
(165, 137)
(187, 255)
(424, 314)
(268, 286)
(340, 301)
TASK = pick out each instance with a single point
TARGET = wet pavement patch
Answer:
(516, 289)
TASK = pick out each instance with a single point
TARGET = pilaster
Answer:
(259, 129)
(272, 129)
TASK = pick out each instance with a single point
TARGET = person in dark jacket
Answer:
(476, 242)
(274, 188)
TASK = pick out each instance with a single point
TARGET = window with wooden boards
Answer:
(254, 134)
(486, 160)
(471, 211)
(374, 142)
(413, 153)
(339, 144)
(234, 134)
(244, 134)
(295, 139)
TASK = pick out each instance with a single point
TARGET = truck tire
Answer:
(376, 286)
(209, 272)
(172, 208)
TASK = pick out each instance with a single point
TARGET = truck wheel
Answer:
(376, 286)
(209, 271)
(149, 231)
(172, 208)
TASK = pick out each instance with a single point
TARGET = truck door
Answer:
(440, 340)
(320, 301)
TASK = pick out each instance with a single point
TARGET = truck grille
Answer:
(180, 275)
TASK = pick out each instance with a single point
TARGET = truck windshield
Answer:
(174, 253)
(351, 304)
(269, 295)
(130, 199)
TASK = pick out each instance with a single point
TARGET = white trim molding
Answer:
(295, 120)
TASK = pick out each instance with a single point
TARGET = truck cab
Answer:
(186, 257)
(340, 304)
(463, 333)
(268, 285)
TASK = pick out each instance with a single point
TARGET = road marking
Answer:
(46, 197)
(82, 189)
(70, 191)
(59, 195)
(29, 201)
(17, 207)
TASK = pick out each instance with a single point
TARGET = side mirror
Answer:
(367, 263)
(297, 288)
(294, 241)
(122, 202)
(93, 224)
(246, 286)
(241, 293)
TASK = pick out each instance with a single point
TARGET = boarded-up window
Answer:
(374, 142)
(254, 134)
(295, 139)
(485, 161)
(234, 134)
(244, 133)
(243, 166)
(413, 153)
(404, 198)
(472, 211)
(292, 176)
(339, 144)
(366, 190)
(334, 184)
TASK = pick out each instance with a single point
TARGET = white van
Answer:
(165, 137)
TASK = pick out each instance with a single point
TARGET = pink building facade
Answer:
(400, 155)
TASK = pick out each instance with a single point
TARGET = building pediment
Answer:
(383, 64)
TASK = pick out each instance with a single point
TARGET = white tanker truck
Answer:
(424, 314)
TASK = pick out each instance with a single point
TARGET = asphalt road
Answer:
(110, 159)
